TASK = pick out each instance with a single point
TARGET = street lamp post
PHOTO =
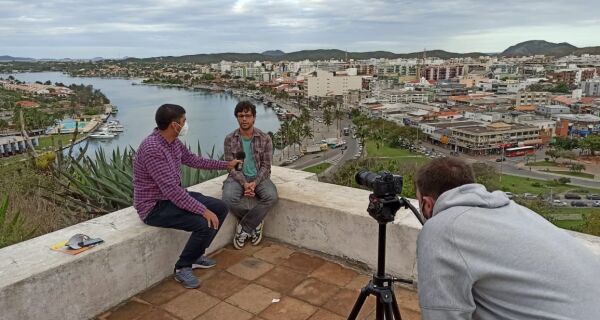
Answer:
(502, 158)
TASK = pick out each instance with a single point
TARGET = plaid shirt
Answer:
(262, 151)
(157, 174)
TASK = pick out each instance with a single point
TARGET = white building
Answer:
(591, 88)
(329, 84)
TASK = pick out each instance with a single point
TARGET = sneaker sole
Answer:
(237, 246)
(201, 266)
(186, 286)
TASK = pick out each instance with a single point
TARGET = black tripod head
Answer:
(384, 209)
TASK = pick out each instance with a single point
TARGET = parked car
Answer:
(578, 204)
(529, 196)
(559, 203)
(593, 196)
(572, 196)
(509, 195)
(500, 159)
(596, 204)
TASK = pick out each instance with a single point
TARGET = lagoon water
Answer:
(210, 115)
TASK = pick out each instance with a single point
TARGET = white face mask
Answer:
(184, 130)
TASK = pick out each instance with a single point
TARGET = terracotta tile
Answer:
(334, 273)
(289, 309)
(253, 298)
(157, 314)
(257, 318)
(281, 279)
(303, 262)
(205, 274)
(344, 300)
(407, 298)
(250, 268)
(323, 314)
(223, 284)
(190, 304)
(405, 314)
(359, 282)
(163, 292)
(227, 257)
(130, 310)
(314, 291)
(274, 254)
(225, 311)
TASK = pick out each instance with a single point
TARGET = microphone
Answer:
(240, 156)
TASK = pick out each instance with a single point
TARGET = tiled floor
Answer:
(268, 282)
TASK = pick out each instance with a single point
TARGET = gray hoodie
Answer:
(482, 256)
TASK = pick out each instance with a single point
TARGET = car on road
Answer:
(500, 159)
(559, 203)
(578, 204)
(596, 204)
(572, 196)
(509, 195)
(593, 196)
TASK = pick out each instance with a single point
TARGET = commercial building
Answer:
(532, 98)
(591, 88)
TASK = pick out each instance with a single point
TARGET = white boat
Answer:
(102, 135)
(115, 128)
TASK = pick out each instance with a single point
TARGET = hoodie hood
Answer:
(470, 195)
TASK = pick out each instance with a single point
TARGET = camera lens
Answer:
(365, 178)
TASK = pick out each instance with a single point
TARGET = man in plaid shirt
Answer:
(161, 201)
(253, 181)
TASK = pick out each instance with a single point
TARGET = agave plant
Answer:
(12, 230)
(101, 185)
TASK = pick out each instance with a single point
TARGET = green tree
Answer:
(565, 143)
(327, 118)
(486, 175)
(577, 167)
(553, 153)
(591, 143)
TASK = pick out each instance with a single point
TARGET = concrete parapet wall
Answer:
(37, 283)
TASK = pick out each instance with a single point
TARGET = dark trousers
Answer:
(166, 215)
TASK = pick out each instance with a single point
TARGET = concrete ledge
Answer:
(37, 283)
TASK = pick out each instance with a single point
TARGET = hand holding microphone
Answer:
(240, 156)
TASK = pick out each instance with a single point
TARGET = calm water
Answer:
(210, 115)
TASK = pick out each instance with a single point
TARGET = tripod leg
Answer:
(395, 307)
(379, 309)
(388, 311)
(364, 293)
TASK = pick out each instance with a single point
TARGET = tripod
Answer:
(381, 286)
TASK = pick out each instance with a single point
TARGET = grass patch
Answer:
(570, 224)
(520, 185)
(45, 142)
(318, 168)
(387, 151)
(574, 174)
(543, 164)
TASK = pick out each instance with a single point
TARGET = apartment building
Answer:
(442, 72)
(591, 88)
(326, 84)
(527, 98)
(482, 139)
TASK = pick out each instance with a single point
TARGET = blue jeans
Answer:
(167, 215)
(250, 218)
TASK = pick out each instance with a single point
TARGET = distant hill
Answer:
(319, 54)
(273, 53)
(9, 58)
(534, 47)
(588, 50)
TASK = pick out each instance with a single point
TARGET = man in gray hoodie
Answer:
(483, 256)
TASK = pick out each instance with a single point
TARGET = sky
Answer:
(150, 28)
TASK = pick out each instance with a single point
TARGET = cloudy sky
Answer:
(145, 28)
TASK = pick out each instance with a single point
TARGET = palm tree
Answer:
(338, 115)
(307, 131)
(327, 118)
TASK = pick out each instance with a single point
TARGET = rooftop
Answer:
(272, 281)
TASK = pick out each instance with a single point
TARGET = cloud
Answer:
(113, 28)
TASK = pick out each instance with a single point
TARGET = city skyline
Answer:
(112, 29)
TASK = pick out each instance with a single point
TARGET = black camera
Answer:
(384, 184)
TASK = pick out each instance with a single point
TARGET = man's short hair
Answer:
(244, 106)
(441, 175)
(168, 113)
